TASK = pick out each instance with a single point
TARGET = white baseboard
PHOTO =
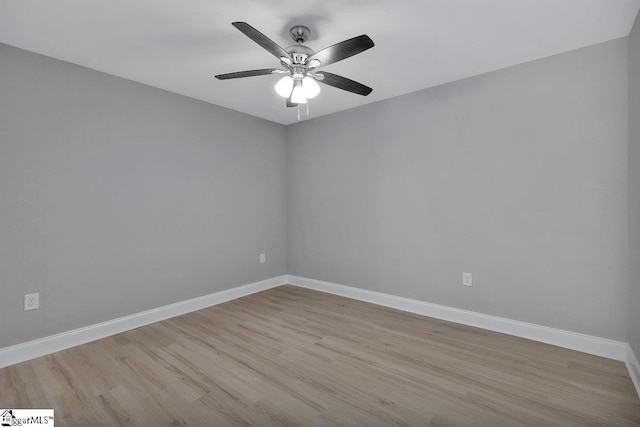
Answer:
(47, 345)
(575, 341)
(633, 366)
(586, 343)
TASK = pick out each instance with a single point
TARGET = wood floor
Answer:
(291, 356)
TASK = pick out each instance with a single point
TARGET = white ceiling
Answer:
(180, 45)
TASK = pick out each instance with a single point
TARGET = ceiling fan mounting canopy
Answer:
(299, 63)
(300, 33)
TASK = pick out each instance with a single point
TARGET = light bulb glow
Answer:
(311, 88)
(297, 95)
(284, 86)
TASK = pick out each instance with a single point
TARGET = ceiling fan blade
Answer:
(264, 41)
(343, 50)
(249, 73)
(344, 83)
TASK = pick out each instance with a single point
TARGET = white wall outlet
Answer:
(31, 302)
(263, 258)
(467, 279)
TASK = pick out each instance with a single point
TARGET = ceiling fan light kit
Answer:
(311, 88)
(284, 86)
(299, 62)
(297, 94)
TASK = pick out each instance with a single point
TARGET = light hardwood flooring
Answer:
(291, 356)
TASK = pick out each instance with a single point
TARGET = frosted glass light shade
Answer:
(311, 88)
(297, 96)
(284, 86)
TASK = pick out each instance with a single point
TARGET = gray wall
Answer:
(518, 176)
(634, 187)
(116, 197)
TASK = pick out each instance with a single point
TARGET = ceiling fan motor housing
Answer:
(299, 53)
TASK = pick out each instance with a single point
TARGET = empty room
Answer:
(338, 213)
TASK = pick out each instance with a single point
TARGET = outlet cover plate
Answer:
(31, 302)
(467, 279)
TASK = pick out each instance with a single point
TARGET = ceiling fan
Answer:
(300, 63)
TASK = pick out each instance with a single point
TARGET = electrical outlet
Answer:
(263, 258)
(31, 302)
(467, 279)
